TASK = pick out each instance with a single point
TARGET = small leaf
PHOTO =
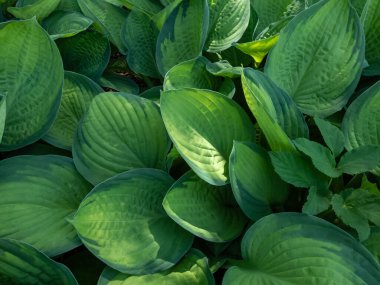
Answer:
(120, 83)
(361, 159)
(372, 243)
(318, 201)
(224, 68)
(369, 186)
(332, 136)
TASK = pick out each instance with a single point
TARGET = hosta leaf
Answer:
(356, 207)
(254, 183)
(87, 53)
(361, 159)
(3, 113)
(224, 68)
(140, 37)
(120, 83)
(318, 200)
(23, 264)
(69, 5)
(78, 92)
(207, 211)
(31, 82)
(358, 5)
(293, 248)
(332, 136)
(372, 243)
(149, 7)
(193, 269)
(160, 18)
(123, 223)
(228, 21)
(39, 8)
(109, 19)
(273, 30)
(183, 35)
(63, 24)
(308, 63)
(37, 194)
(153, 94)
(119, 132)
(202, 125)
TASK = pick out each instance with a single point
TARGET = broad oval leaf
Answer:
(119, 132)
(120, 83)
(39, 9)
(37, 194)
(23, 264)
(293, 248)
(31, 83)
(78, 92)
(202, 125)
(319, 57)
(123, 223)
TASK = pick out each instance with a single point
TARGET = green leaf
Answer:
(69, 5)
(140, 36)
(202, 125)
(120, 83)
(123, 223)
(372, 243)
(369, 186)
(254, 183)
(37, 194)
(39, 9)
(207, 211)
(183, 35)
(109, 19)
(356, 208)
(3, 114)
(361, 159)
(119, 132)
(193, 269)
(308, 63)
(78, 92)
(332, 135)
(224, 68)
(228, 21)
(87, 53)
(63, 24)
(297, 170)
(318, 201)
(153, 94)
(293, 248)
(23, 264)
(31, 82)
(149, 7)
(160, 18)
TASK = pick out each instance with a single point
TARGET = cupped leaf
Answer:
(332, 135)
(78, 92)
(193, 269)
(23, 264)
(31, 82)
(360, 159)
(39, 9)
(293, 248)
(119, 132)
(123, 223)
(62, 24)
(255, 184)
(207, 211)
(228, 21)
(183, 35)
(224, 68)
(202, 125)
(37, 194)
(120, 83)
(308, 63)
(372, 243)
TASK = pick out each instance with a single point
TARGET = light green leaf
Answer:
(224, 68)
(3, 114)
(39, 9)
(369, 186)
(160, 18)
(207, 211)
(109, 19)
(31, 82)
(63, 24)
(202, 125)
(318, 201)
(372, 243)
(228, 21)
(37, 194)
(120, 83)
(183, 35)
(78, 92)
(87, 53)
(293, 248)
(123, 223)
(361, 159)
(356, 207)
(308, 63)
(332, 135)
(23, 264)
(254, 183)
(119, 132)
(193, 269)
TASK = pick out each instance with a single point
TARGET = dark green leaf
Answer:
(361, 159)
(332, 136)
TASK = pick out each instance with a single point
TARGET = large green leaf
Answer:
(37, 194)
(203, 125)
(183, 35)
(193, 269)
(31, 82)
(123, 223)
(297, 249)
(207, 211)
(319, 57)
(78, 92)
(372, 243)
(119, 132)
(3, 113)
(69, 5)
(254, 183)
(22, 264)
(39, 8)
(224, 68)
(228, 21)
(109, 19)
